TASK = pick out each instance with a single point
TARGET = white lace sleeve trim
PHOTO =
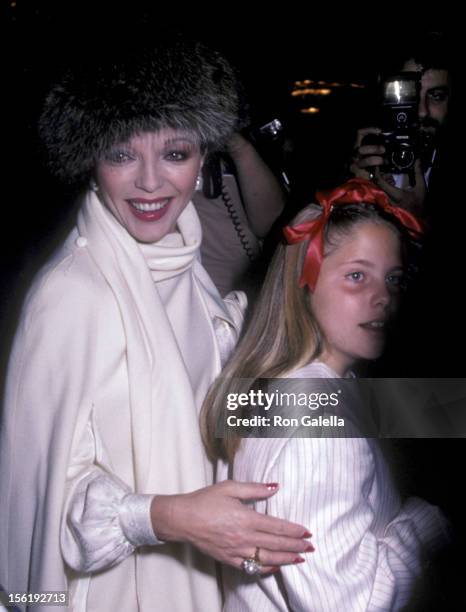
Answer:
(105, 523)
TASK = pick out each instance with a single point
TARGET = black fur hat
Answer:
(181, 85)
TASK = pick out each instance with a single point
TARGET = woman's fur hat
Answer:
(180, 85)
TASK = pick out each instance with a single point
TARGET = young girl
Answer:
(324, 307)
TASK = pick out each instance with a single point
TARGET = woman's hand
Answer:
(237, 145)
(215, 520)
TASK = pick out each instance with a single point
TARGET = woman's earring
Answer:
(94, 186)
(199, 182)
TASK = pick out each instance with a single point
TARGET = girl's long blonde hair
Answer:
(282, 335)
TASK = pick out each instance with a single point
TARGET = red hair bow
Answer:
(354, 191)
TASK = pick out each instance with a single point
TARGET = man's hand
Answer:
(366, 157)
(366, 163)
(409, 199)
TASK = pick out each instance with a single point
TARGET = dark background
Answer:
(272, 48)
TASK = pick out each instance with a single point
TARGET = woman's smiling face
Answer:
(147, 182)
(356, 293)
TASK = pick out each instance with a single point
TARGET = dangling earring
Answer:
(93, 185)
(199, 182)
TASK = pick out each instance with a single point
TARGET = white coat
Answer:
(98, 344)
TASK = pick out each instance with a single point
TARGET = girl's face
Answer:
(357, 291)
(147, 182)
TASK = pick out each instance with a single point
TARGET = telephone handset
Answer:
(214, 187)
(212, 181)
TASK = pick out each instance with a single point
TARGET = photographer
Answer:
(238, 204)
(410, 186)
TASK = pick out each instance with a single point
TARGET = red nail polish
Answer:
(307, 534)
(274, 570)
(299, 560)
(309, 548)
(272, 486)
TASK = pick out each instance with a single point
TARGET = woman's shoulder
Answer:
(69, 279)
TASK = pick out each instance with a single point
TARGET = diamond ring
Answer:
(252, 565)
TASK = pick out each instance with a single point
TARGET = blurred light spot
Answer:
(312, 110)
(311, 92)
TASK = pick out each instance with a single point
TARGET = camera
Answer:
(403, 141)
(399, 121)
(269, 140)
(271, 131)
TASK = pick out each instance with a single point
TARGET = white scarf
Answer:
(159, 385)
(165, 402)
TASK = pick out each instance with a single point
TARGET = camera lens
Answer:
(403, 157)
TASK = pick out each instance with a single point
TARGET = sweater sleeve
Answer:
(104, 522)
(328, 483)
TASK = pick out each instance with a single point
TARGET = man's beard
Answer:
(429, 126)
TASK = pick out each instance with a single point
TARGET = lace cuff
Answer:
(135, 520)
(104, 523)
